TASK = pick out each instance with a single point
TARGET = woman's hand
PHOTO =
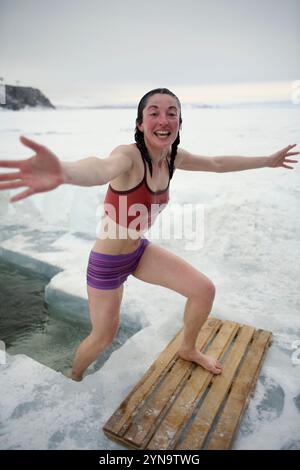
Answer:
(39, 173)
(279, 158)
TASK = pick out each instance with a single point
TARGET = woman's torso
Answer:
(156, 186)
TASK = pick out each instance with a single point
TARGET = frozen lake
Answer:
(251, 252)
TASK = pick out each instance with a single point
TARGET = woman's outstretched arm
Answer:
(188, 161)
(44, 171)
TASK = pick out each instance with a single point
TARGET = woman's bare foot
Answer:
(207, 362)
(73, 376)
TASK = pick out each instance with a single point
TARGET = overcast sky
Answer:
(81, 47)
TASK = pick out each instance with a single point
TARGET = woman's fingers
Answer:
(287, 148)
(12, 185)
(30, 143)
(11, 163)
(287, 166)
(22, 195)
(18, 163)
(10, 176)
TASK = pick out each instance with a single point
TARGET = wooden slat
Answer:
(143, 425)
(203, 420)
(239, 396)
(121, 419)
(169, 430)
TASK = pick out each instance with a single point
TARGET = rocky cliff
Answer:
(19, 97)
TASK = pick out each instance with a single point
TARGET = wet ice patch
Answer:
(267, 406)
(292, 445)
(297, 402)
(272, 401)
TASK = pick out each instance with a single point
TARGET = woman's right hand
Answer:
(41, 172)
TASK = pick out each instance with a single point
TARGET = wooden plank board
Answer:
(167, 433)
(240, 393)
(203, 420)
(122, 418)
(180, 405)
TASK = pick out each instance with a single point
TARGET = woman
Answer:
(138, 173)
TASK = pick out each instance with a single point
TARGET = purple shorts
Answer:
(110, 271)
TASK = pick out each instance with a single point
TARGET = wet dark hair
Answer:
(139, 135)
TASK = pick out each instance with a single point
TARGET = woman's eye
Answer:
(173, 115)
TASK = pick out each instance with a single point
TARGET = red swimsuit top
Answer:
(136, 208)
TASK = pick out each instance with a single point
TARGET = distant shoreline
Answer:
(185, 106)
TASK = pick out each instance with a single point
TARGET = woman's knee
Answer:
(204, 289)
(101, 340)
(103, 335)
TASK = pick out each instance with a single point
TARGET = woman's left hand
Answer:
(279, 158)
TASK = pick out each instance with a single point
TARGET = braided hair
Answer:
(139, 135)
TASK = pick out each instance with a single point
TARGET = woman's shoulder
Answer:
(129, 151)
(180, 155)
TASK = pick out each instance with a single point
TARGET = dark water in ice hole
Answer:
(27, 328)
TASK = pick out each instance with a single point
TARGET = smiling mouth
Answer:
(162, 134)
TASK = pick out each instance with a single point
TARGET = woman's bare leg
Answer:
(104, 308)
(159, 266)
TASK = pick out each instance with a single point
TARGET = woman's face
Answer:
(160, 121)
